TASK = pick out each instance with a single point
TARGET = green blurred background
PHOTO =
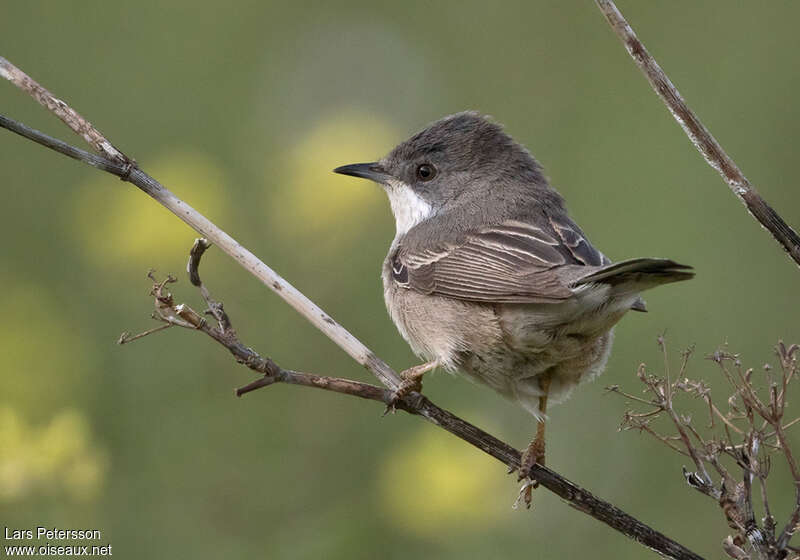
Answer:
(243, 111)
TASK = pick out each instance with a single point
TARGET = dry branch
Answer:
(702, 139)
(59, 108)
(753, 431)
(128, 171)
(126, 168)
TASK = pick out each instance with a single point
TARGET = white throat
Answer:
(408, 207)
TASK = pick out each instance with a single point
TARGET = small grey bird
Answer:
(489, 276)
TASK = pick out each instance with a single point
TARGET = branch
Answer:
(702, 139)
(670, 410)
(131, 173)
(69, 116)
(752, 455)
(124, 167)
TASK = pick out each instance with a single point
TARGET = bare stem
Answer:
(794, 520)
(702, 139)
(67, 114)
(131, 173)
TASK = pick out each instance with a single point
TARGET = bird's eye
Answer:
(426, 172)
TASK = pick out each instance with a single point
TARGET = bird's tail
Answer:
(636, 275)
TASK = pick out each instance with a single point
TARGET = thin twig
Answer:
(126, 337)
(616, 389)
(725, 419)
(679, 425)
(769, 520)
(786, 426)
(794, 520)
(702, 139)
(131, 173)
(67, 114)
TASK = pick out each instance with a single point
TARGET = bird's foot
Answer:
(411, 382)
(533, 454)
(525, 493)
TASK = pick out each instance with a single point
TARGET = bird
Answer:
(488, 276)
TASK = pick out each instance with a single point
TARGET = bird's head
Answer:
(453, 160)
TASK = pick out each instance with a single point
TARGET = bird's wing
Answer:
(510, 262)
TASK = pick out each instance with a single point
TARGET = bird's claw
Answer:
(525, 493)
(533, 454)
(410, 384)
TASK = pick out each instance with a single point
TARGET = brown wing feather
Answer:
(574, 241)
(512, 262)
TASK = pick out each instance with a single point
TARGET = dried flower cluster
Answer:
(738, 444)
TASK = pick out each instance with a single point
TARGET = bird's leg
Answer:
(535, 451)
(411, 381)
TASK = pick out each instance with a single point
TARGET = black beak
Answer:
(372, 171)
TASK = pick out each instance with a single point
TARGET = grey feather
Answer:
(642, 272)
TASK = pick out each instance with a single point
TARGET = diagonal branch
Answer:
(131, 173)
(702, 139)
(124, 167)
(59, 108)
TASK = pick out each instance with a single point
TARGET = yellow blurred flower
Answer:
(44, 355)
(58, 457)
(433, 483)
(312, 200)
(120, 226)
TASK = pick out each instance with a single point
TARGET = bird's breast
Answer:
(436, 327)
